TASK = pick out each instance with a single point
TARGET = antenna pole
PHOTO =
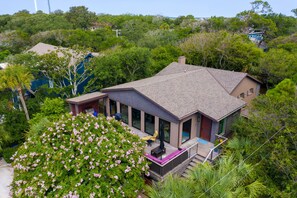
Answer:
(49, 6)
(35, 3)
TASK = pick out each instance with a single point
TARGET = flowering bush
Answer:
(80, 156)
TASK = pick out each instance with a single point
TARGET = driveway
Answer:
(6, 174)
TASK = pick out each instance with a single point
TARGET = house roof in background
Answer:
(185, 89)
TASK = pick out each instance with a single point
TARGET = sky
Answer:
(170, 8)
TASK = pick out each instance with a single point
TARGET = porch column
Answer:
(118, 107)
(129, 115)
(107, 107)
(142, 116)
(157, 124)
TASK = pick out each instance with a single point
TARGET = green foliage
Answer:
(80, 17)
(9, 152)
(162, 56)
(121, 66)
(278, 64)
(4, 54)
(158, 38)
(51, 109)
(228, 178)
(81, 155)
(221, 50)
(14, 127)
(272, 127)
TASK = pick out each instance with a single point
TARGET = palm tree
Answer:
(227, 178)
(17, 78)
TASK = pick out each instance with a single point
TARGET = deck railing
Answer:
(215, 151)
(163, 168)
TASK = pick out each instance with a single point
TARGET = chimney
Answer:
(182, 60)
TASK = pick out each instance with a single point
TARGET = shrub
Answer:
(80, 156)
(8, 153)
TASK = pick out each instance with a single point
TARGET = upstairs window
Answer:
(250, 91)
(241, 96)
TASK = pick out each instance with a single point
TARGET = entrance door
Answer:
(205, 130)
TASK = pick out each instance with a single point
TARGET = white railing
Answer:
(210, 154)
(192, 147)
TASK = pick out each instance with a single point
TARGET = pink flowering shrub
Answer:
(80, 156)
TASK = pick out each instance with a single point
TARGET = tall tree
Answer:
(16, 78)
(80, 17)
(271, 128)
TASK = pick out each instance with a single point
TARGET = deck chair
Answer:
(150, 139)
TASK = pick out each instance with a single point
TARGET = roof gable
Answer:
(184, 93)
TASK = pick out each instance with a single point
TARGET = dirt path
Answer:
(6, 176)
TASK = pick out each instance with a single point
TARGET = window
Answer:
(186, 133)
(241, 95)
(250, 91)
(166, 126)
(124, 112)
(222, 126)
(149, 124)
(113, 107)
(136, 118)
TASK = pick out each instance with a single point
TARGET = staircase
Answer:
(198, 159)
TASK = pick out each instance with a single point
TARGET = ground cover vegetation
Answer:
(132, 47)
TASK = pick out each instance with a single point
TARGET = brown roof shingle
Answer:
(184, 89)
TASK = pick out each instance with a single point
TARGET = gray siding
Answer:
(214, 131)
(135, 100)
(230, 120)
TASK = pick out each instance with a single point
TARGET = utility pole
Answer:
(49, 6)
(118, 32)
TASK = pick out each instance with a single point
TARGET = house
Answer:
(42, 49)
(190, 101)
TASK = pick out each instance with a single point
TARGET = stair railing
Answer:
(210, 154)
(189, 149)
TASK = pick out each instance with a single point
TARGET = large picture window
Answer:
(166, 125)
(149, 124)
(113, 107)
(136, 118)
(186, 133)
(124, 112)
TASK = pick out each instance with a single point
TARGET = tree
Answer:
(67, 70)
(222, 50)
(81, 156)
(276, 65)
(261, 7)
(123, 65)
(271, 127)
(294, 11)
(228, 178)
(80, 17)
(16, 78)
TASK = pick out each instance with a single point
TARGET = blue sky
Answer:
(172, 8)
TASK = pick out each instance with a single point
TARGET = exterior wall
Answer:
(174, 135)
(194, 127)
(137, 101)
(244, 86)
(230, 120)
(214, 130)
(134, 100)
(90, 105)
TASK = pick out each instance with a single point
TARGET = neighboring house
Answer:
(42, 48)
(190, 101)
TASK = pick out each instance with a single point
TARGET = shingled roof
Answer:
(185, 89)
